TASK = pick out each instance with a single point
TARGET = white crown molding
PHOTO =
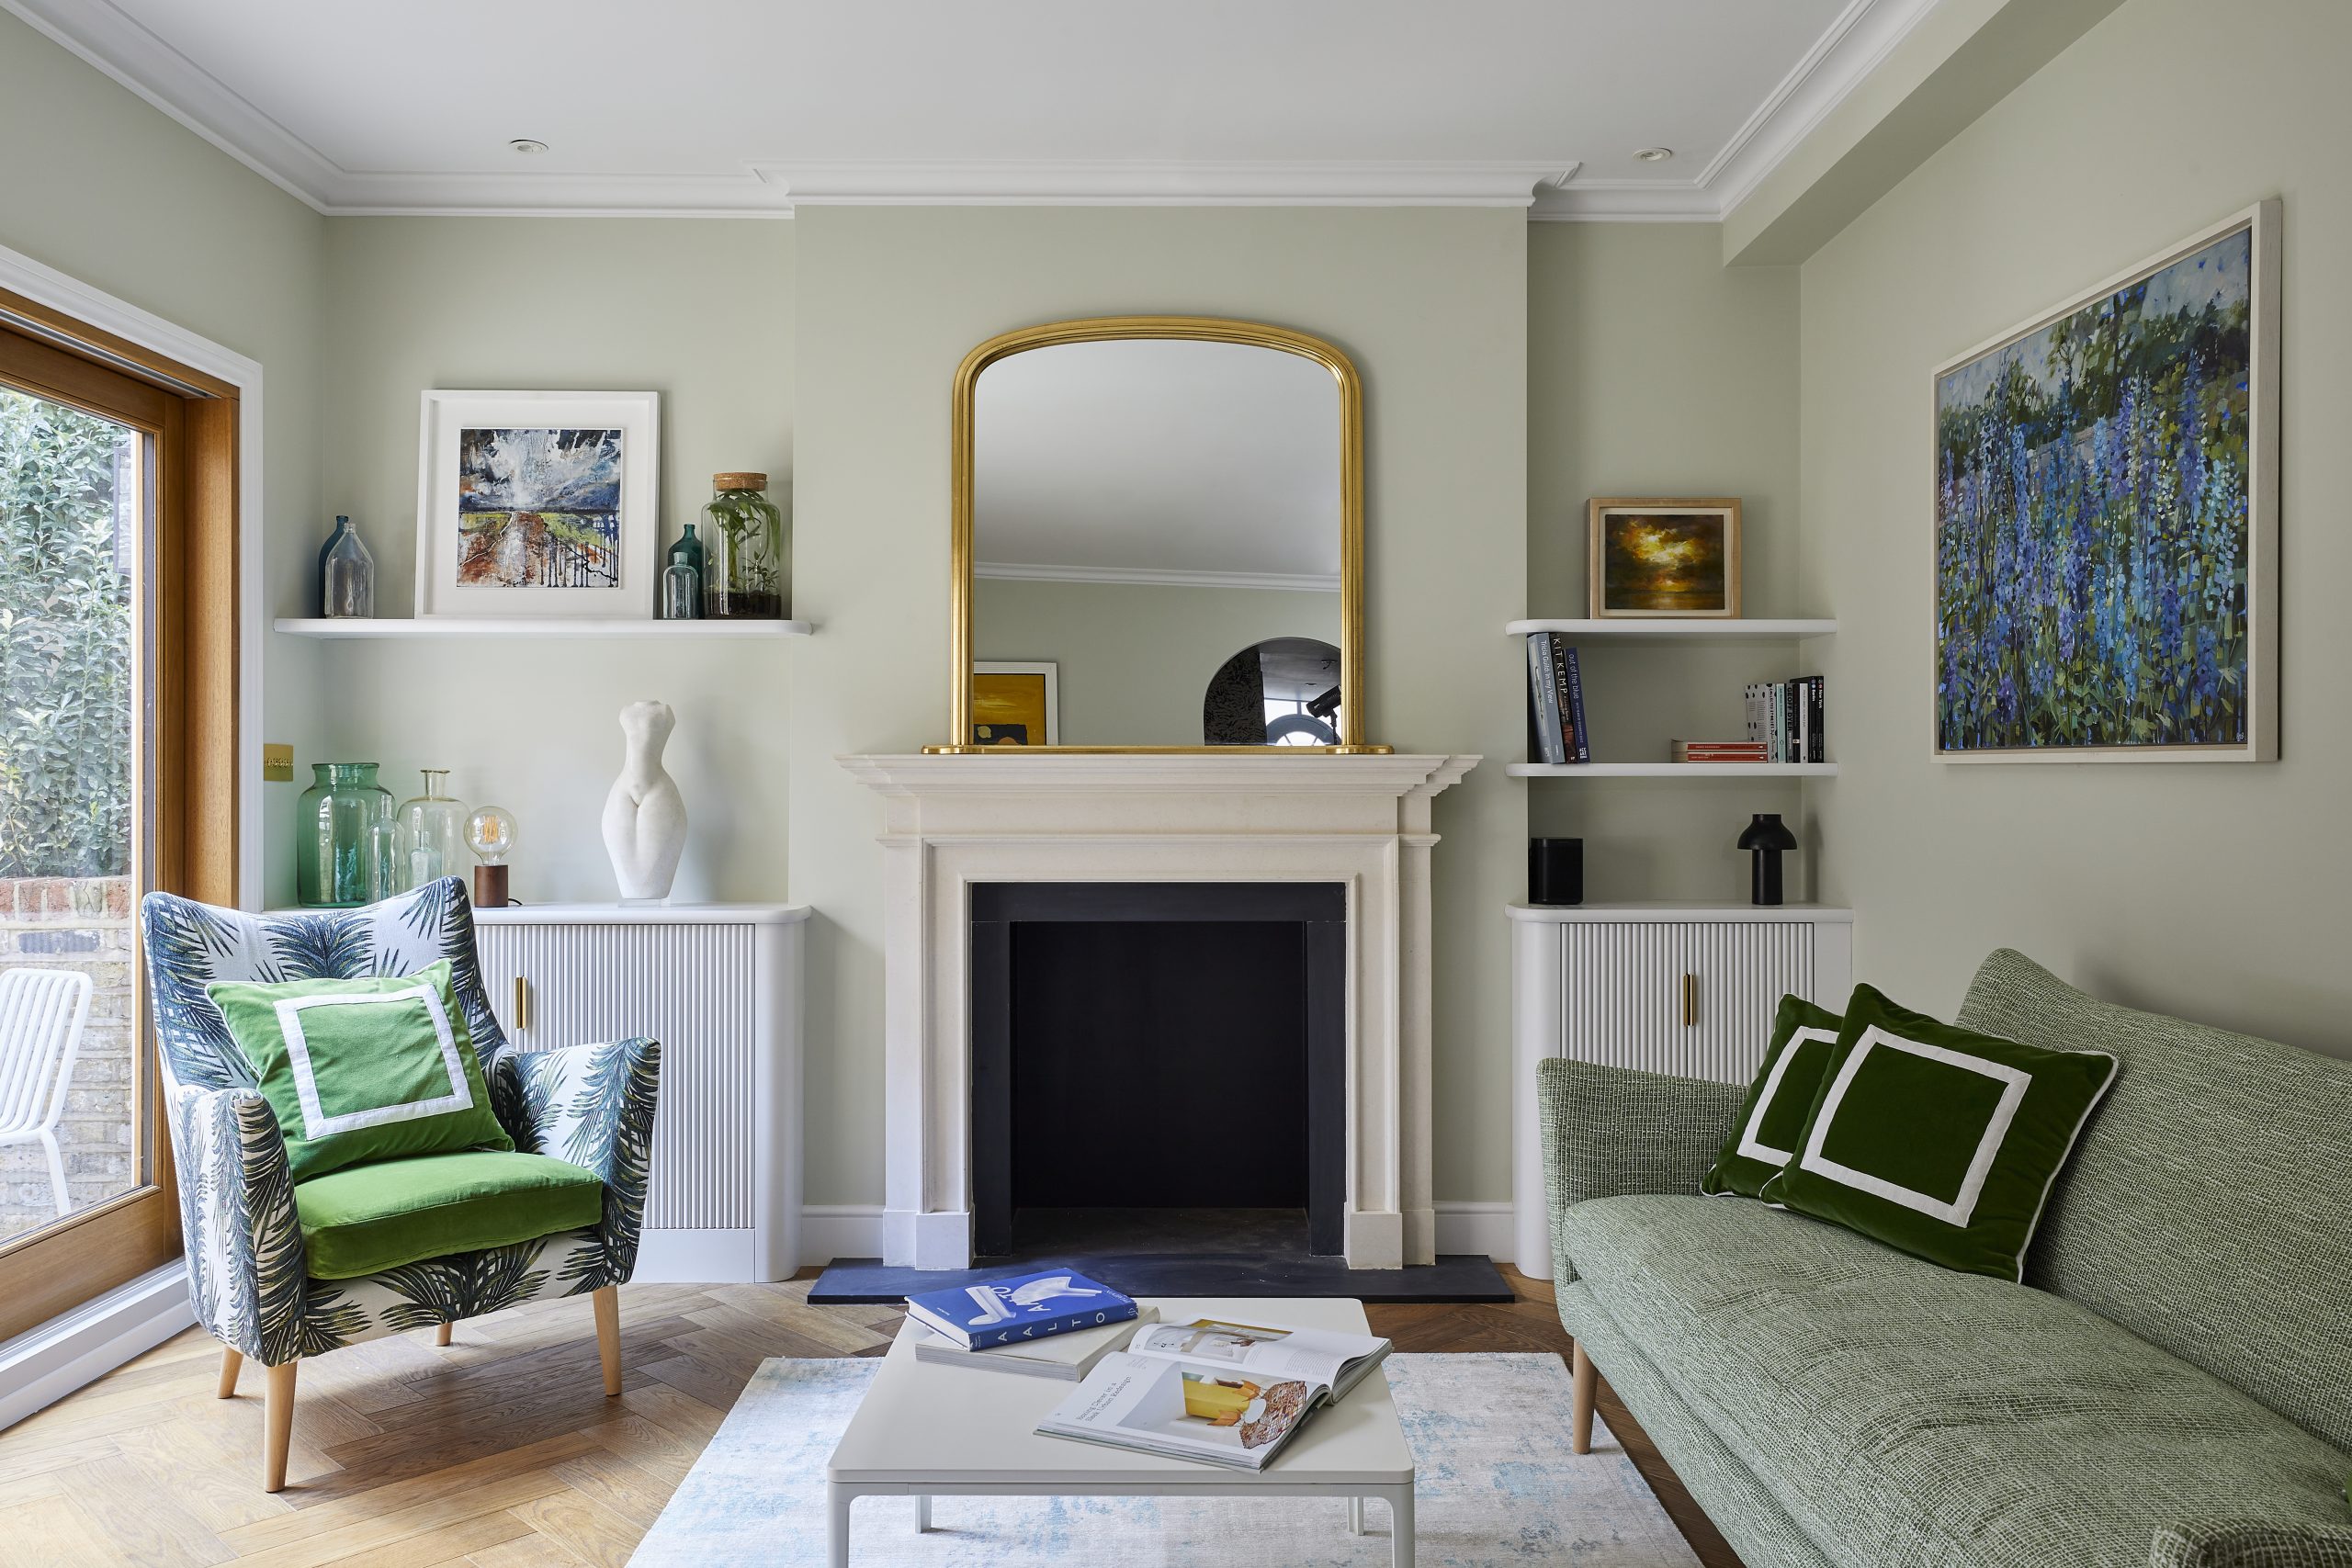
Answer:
(1153, 577)
(100, 33)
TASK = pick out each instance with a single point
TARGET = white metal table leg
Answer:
(922, 1512)
(1401, 1526)
(837, 1501)
(1355, 1516)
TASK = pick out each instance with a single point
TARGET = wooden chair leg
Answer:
(1588, 1384)
(441, 1334)
(231, 1360)
(278, 1427)
(608, 1337)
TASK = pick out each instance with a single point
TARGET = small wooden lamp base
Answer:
(489, 887)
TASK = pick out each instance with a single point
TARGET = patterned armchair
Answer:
(591, 1105)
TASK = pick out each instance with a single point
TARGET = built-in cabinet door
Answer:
(1621, 996)
(1738, 974)
(692, 987)
(1695, 999)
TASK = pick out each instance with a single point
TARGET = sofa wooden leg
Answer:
(608, 1337)
(231, 1360)
(441, 1334)
(1588, 1384)
(278, 1427)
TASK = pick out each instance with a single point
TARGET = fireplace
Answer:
(1159, 1063)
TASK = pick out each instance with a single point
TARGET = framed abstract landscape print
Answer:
(2106, 506)
(1665, 559)
(538, 504)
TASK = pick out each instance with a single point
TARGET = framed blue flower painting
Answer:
(2107, 518)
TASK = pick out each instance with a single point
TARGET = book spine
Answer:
(1820, 719)
(1576, 708)
(1039, 1328)
(1542, 706)
(1752, 706)
(1801, 705)
(1570, 720)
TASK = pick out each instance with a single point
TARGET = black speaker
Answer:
(1556, 871)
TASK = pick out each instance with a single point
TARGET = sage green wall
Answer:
(109, 191)
(2213, 891)
(1136, 659)
(1654, 370)
(698, 310)
(1432, 306)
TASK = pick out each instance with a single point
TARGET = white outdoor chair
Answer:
(42, 1014)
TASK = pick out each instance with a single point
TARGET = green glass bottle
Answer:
(333, 834)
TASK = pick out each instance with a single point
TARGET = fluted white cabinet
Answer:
(1682, 989)
(718, 985)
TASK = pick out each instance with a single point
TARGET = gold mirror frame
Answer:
(1192, 329)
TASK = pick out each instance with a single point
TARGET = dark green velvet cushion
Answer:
(368, 1218)
(1937, 1140)
(364, 1069)
(1804, 1039)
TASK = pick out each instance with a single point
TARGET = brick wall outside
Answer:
(82, 924)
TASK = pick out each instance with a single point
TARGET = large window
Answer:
(117, 776)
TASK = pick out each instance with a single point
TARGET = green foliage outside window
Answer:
(64, 645)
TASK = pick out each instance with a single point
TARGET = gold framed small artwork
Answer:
(1677, 558)
(1016, 704)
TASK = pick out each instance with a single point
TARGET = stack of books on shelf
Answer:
(1789, 719)
(1555, 727)
(1719, 751)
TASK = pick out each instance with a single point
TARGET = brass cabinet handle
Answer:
(1690, 1001)
(522, 1002)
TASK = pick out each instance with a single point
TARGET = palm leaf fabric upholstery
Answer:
(589, 1104)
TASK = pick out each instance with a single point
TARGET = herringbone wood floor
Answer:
(501, 1451)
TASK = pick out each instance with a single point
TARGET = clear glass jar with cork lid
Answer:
(745, 574)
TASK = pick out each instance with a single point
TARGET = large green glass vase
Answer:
(332, 828)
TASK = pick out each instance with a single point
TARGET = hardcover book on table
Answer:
(1023, 1307)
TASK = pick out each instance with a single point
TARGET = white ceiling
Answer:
(750, 106)
(1149, 460)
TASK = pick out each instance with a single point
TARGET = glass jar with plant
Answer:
(745, 574)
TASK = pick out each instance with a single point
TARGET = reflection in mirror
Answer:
(1142, 508)
(1284, 692)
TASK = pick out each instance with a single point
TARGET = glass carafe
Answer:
(346, 574)
(432, 834)
(745, 576)
(334, 825)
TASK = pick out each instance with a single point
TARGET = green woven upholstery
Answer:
(1608, 1131)
(2244, 1545)
(2208, 1207)
(1908, 1415)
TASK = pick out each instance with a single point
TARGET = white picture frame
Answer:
(2261, 225)
(610, 564)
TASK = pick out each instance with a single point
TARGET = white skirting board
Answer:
(45, 1364)
(855, 1230)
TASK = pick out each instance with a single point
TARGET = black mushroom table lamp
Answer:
(1766, 838)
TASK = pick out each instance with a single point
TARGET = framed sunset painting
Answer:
(2106, 518)
(1678, 558)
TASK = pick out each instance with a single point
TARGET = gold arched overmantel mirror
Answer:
(1158, 539)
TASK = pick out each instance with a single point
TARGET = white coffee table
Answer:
(928, 1430)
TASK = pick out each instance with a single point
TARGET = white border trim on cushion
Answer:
(316, 1123)
(2015, 1081)
(1750, 1145)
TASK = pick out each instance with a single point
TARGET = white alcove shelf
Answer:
(1671, 770)
(1678, 630)
(387, 627)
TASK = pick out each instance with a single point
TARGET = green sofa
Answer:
(2171, 1386)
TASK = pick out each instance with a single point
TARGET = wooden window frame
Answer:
(187, 796)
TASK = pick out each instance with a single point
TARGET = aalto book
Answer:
(1024, 1307)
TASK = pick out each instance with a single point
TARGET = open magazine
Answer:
(1228, 1394)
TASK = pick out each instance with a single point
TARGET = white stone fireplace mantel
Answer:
(1358, 820)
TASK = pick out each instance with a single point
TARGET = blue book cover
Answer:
(1026, 1306)
(1581, 739)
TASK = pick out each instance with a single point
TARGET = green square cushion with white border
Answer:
(367, 1218)
(364, 1069)
(1764, 1138)
(1938, 1141)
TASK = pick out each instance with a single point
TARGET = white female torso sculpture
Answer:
(645, 817)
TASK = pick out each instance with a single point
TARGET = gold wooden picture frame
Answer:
(1194, 329)
(1664, 559)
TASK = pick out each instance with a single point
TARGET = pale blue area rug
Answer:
(1494, 1484)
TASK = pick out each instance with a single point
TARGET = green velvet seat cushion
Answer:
(1905, 1414)
(1779, 1102)
(364, 1069)
(367, 1218)
(1938, 1140)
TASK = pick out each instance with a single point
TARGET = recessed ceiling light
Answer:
(1653, 155)
(529, 148)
